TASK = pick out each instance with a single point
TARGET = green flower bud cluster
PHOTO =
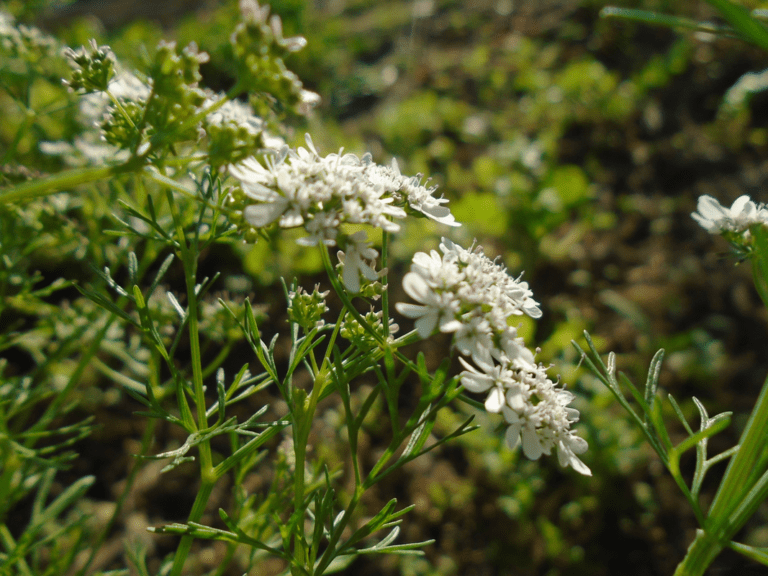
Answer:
(121, 128)
(352, 330)
(306, 309)
(234, 133)
(259, 49)
(176, 96)
(92, 68)
(163, 108)
(234, 203)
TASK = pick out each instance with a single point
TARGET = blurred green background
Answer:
(571, 146)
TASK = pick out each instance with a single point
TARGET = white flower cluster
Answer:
(233, 113)
(717, 219)
(301, 188)
(464, 293)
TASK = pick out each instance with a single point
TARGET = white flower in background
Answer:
(354, 259)
(233, 113)
(716, 219)
(321, 192)
(465, 293)
(124, 87)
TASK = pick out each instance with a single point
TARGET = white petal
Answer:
(512, 436)
(531, 445)
(740, 203)
(476, 382)
(426, 324)
(580, 467)
(567, 458)
(411, 310)
(495, 400)
(710, 208)
(415, 286)
(448, 324)
(515, 399)
(578, 445)
(351, 279)
(260, 215)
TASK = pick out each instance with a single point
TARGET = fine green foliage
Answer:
(158, 371)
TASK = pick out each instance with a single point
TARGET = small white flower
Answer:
(463, 292)
(514, 350)
(716, 219)
(567, 448)
(357, 252)
(435, 310)
(495, 379)
(318, 192)
(474, 338)
(522, 427)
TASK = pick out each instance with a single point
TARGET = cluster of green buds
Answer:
(307, 309)
(176, 96)
(92, 68)
(235, 203)
(259, 50)
(352, 330)
(234, 133)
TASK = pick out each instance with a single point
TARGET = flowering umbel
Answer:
(464, 293)
(301, 188)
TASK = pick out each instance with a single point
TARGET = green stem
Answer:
(208, 473)
(744, 469)
(303, 416)
(385, 283)
(64, 180)
(329, 553)
(194, 516)
(300, 452)
(702, 551)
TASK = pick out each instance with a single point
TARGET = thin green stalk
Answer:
(185, 545)
(300, 453)
(327, 556)
(744, 470)
(64, 180)
(385, 283)
(305, 415)
(208, 474)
